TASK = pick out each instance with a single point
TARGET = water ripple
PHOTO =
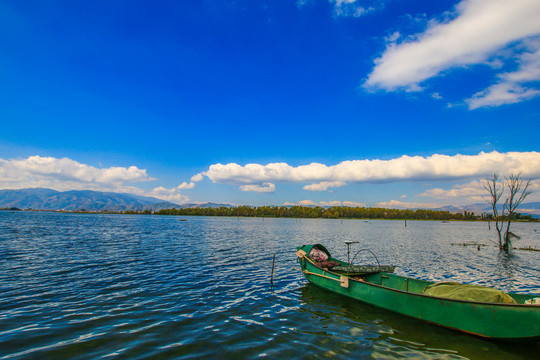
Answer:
(110, 286)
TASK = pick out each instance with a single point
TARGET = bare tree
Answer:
(496, 190)
(519, 190)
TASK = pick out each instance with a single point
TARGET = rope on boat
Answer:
(359, 251)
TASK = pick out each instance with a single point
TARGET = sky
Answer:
(388, 103)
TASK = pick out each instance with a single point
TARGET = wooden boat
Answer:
(506, 321)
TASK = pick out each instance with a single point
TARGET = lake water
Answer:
(113, 286)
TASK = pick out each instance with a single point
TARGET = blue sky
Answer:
(388, 103)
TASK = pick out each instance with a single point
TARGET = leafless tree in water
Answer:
(496, 190)
(518, 189)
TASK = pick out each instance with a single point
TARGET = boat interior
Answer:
(382, 275)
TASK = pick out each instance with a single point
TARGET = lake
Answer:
(84, 286)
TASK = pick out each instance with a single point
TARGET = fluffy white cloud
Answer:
(477, 31)
(323, 186)
(185, 185)
(172, 195)
(342, 203)
(511, 87)
(500, 94)
(66, 174)
(197, 178)
(49, 170)
(404, 168)
(472, 192)
(264, 188)
(470, 189)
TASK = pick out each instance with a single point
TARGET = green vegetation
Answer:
(338, 212)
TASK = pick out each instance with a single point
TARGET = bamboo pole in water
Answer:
(272, 275)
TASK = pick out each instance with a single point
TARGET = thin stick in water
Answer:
(272, 275)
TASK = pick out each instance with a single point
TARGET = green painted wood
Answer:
(404, 295)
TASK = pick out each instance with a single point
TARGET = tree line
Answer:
(336, 212)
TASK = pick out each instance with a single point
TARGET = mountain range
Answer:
(85, 200)
(532, 208)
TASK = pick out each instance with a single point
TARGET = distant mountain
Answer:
(480, 208)
(532, 205)
(532, 208)
(47, 199)
(450, 208)
(24, 198)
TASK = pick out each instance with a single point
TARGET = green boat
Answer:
(512, 319)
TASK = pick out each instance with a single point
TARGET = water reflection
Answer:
(506, 266)
(391, 335)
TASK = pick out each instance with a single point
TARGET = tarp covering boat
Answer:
(454, 290)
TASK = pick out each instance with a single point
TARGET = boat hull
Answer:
(402, 295)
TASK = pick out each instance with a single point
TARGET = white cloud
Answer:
(330, 203)
(172, 195)
(404, 168)
(470, 189)
(323, 186)
(197, 178)
(306, 203)
(65, 174)
(342, 203)
(352, 204)
(472, 192)
(500, 94)
(510, 88)
(185, 185)
(264, 188)
(478, 30)
(58, 172)
(535, 196)
(350, 8)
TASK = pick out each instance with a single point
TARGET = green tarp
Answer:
(453, 290)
